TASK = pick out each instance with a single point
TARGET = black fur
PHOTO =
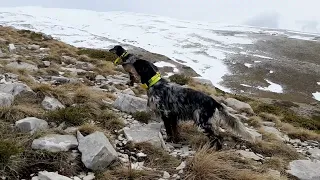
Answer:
(130, 62)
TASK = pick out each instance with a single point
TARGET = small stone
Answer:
(55, 143)
(46, 63)
(181, 166)
(12, 48)
(141, 155)
(50, 103)
(31, 124)
(45, 175)
(34, 47)
(250, 155)
(90, 176)
(137, 165)
(166, 175)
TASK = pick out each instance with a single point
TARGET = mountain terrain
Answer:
(67, 113)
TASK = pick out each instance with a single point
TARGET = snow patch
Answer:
(318, 83)
(260, 56)
(302, 38)
(163, 64)
(245, 85)
(273, 87)
(270, 72)
(248, 65)
(316, 95)
(257, 61)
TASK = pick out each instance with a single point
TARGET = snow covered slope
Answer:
(202, 46)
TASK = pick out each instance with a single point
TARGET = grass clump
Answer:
(179, 79)
(192, 135)
(157, 157)
(255, 121)
(142, 116)
(74, 115)
(208, 164)
(98, 54)
(8, 148)
(16, 112)
(127, 174)
(109, 120)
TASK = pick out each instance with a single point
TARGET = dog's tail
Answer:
(234, 123)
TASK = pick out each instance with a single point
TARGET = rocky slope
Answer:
(66, 113)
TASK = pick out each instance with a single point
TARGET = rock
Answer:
(314, 153)
(71, 130)
(97, 151)
(181, 166)
(166, 175)
(267, 123)
(15, 88)
(44, 49)
(45, 175)
(274, 131)
(305, 169)
(137, 165)
(255, 134)
(31, 124)
(90, 176)
(6, 99)
(55, 142)
(33, 47)
(100, 78)
(129, 92)
(141, 155)
(12, 48)
(145, 133)
(46, 63)
(238, 105)
(51, 104)
(249, 155)
(69, 60)
(22, 65)
(130, 104)
(84, 65)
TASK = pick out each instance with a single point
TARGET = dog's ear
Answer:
(118, 50)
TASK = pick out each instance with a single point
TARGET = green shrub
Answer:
(142, 116)
(7, 149)
(74, 115)
(98, 54)
(179, 79)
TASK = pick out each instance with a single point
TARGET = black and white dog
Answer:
(172, 102)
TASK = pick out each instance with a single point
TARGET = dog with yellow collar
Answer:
(127, 61)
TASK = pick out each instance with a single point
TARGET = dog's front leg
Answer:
(168, 127)
(175, 130)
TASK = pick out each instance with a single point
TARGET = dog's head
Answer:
(146, 70)
(118, 50)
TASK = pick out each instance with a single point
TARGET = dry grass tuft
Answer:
(270, 117)
(208, 164)
(128, 174)
(142, 116)
(255, 121)
(298, 133)
(109, 120)
(17, 112)
(88, 128)
(157, 157)
(191, 133)
(179, 79)
(203, 88)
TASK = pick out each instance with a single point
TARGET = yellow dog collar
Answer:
(152, 81)
(119, 59)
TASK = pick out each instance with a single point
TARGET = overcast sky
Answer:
(267, 13)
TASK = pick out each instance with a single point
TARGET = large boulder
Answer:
(314, 153)
(15, 88)
(6, 99)
(276, 132)
(45, 175)
(97, 152)
(55, 143)
(50, 103)
(31, 124)
(305, 169)
(145, 133)
(238, 105)
(22, 65)
(130, 104)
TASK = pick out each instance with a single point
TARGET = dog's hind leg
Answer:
(211, 131)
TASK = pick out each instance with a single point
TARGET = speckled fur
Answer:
(172, 102)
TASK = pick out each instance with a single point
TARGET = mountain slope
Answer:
(235, 58)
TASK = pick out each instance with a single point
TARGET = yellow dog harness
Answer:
(119, 59)
(152, 81)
